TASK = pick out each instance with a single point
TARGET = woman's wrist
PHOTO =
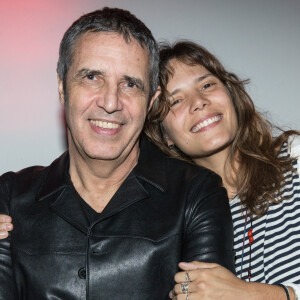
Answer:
(296, 289)
(264, 291)
(293, 295)
(285, 289)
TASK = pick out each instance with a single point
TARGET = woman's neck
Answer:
(220, 164)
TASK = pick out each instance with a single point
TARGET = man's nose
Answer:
(109, 99)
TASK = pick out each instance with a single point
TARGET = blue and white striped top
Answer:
(276, 245)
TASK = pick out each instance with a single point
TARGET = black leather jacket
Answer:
(165, 212)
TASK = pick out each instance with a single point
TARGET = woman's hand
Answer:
(210, 281)
(5, 226)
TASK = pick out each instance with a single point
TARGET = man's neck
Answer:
(96, 181)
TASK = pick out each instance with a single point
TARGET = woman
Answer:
(205, 116)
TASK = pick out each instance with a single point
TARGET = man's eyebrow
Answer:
(137, 81)
(84, 72)
(198, 79)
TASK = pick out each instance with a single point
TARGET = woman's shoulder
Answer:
(294, 146)
(293, 150)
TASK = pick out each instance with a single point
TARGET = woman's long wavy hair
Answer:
(260, 172)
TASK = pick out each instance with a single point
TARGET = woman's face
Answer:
(202, 120)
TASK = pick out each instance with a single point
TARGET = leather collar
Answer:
(150, 168)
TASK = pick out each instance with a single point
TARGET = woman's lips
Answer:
(208, 121)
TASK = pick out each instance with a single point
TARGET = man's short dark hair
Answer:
(109, 20)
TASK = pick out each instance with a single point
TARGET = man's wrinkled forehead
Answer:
(90, 35)
(109, 53)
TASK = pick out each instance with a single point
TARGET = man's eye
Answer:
(130, 84)
(91, 76)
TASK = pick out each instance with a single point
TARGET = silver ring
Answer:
(185, 287)
(187, 276)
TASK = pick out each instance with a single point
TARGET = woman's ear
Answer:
(155, 96)
(168, 141)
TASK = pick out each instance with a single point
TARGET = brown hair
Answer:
(261, 170)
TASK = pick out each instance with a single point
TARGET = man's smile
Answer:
(105, 124)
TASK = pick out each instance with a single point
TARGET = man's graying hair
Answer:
(109, 20)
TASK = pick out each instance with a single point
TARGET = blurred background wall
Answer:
(258, 39)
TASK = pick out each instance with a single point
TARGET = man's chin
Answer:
(104, 156)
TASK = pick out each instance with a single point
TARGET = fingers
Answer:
(195, 265)
(177, 294)
(178, 290)
(5, 219)
(3, 234)
(172, 294)
(185, 285)
(185, 297)
(195, 274)
(5, 226)
(181, 276)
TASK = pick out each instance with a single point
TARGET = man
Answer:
(112, 217)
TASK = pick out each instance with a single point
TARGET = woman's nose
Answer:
(198, 102)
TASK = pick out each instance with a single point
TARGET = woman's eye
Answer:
(206, 86)
(175, 102)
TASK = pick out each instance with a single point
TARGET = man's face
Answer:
(107, 94)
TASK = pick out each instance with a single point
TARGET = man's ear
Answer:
(156, 94)
(61, 90)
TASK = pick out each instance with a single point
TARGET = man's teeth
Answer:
(206, 123)
(106, 125)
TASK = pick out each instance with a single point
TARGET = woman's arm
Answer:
(212, 281)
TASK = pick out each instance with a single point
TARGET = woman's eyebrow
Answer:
(197, 80)
(201, 78)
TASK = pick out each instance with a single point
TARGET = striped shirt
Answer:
(275, 253)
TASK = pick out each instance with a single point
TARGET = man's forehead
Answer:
(91, 46)
(108, 46)
(108, 39)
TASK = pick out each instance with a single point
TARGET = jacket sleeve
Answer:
(208, 233)
(8, 290)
